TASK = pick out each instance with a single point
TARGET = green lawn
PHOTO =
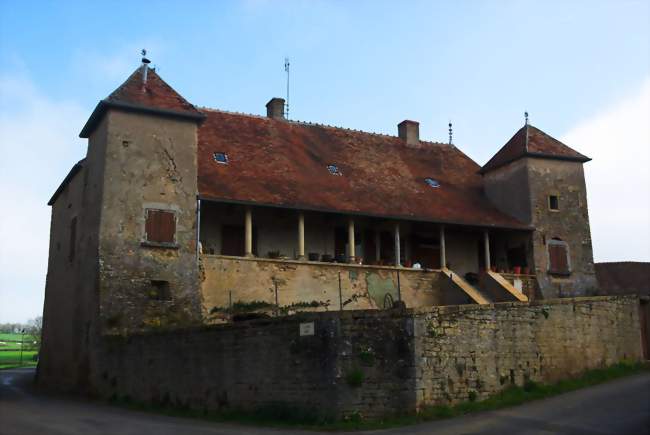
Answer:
(10, 351)
(11, 358)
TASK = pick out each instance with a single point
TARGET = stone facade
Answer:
(370, 362)
(150, 163)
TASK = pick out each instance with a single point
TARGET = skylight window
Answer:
(431, 182)
(221, 158)
(334, 170)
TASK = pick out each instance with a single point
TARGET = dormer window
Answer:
(334, 170)
(221, 158)
(432, 183)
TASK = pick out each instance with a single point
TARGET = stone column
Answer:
(248, 233)
(351, 253)
(443, 248)
(486, 238)
(398, 254)
(301, 236)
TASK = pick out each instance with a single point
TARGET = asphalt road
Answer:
(618, 407)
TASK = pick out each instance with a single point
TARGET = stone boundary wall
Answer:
(371, 362)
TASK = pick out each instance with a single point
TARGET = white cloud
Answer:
(38, 145)
(618, 178)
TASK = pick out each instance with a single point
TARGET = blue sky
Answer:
(581, 68)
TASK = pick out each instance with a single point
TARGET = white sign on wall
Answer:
(306, 329)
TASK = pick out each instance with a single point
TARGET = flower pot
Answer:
(516, 270)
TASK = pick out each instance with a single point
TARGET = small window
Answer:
(159, 290)
(553, 202)
(431, 182)
(73, 239)
(334, 170)
(221, 158)
(160, 226)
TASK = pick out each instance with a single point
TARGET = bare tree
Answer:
(35, 331)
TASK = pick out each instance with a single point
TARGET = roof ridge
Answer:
(316, 124)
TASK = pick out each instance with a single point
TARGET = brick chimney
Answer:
(275, 108)
(409, 131)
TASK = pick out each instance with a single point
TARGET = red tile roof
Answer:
(155, 96)
(156, 93)
(626, 277)
(284, 163)
(530, 141)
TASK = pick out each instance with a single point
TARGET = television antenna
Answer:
(286, 69)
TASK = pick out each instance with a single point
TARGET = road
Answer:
(617, 407)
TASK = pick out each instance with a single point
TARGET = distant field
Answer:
(10, 350)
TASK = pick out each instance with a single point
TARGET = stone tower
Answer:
(540, 181)
(146, 138)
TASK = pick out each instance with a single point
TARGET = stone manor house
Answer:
(178, 212)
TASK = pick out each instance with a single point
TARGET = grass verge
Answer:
(280, 415)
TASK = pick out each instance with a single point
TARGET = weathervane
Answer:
(145, 63)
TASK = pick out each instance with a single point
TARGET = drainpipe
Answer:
(198, 229)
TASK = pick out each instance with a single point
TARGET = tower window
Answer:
(221, 158)
(159, 290)
(553, 202)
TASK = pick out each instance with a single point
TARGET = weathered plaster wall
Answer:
(570, 223)
(507, 188)
(407, 359)
(363, 287)
(150, 162)
(462, 251)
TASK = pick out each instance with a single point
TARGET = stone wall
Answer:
(485, 348)
(370, 362)
(237, 279)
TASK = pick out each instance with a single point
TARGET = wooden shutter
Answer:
(558, 258)
(160, 226)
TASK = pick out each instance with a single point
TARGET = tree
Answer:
(35, 331)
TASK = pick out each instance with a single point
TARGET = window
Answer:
(73, 239)
(159, 290)
(558, 257)
(553, 202)
(221, 158)
(334, 170)
(160, 226)
(431, 182)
